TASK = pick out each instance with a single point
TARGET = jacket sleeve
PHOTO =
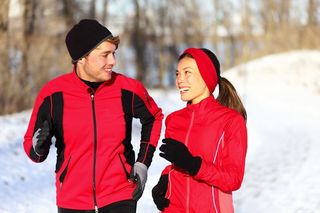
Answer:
(150, 115)
(167, 169)
(226, 172)
(40, 113)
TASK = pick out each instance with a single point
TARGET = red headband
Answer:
(205, 66)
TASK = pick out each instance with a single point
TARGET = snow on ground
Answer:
(282, 96)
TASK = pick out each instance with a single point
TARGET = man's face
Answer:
(97, 66)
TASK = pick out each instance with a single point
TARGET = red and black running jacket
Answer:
(93, 137)
(219, 136)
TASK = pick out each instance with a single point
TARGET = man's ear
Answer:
(81, 60)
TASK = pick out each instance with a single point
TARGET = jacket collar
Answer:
(84, 86)
(203, 105)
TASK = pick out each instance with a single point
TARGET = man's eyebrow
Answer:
(108, 51)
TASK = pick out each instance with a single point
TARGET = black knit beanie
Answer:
(84, 37)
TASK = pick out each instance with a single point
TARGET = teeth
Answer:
(184, 89)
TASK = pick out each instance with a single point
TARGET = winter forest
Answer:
(152, 33)
(268, 49)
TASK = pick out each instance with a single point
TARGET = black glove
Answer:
(139, 174)
(178, 154)
(159, 193)
(41, 140)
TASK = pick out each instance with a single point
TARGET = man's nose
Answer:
(111, 60)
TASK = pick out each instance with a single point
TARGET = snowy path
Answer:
(283, 170)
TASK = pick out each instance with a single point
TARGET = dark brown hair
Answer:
(114, 40)
(229, 97)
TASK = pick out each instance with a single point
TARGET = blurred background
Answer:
(269, 50)
(153, 33)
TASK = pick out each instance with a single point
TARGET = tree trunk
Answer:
(92, 10)
(4, 57)
(25, 77)
(68, 12)
(312, 13)
(105, 12)
(139, 41)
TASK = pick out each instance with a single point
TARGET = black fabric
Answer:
(126, 98)
(124, 167)
(64, 173)
(134, 106)
(125, 206)
(57, 114)
(146, 153)
(141, 111)
(43, 139)
(84, 37)
(159, 193)
(43, 115)
(178, 154)
(93, 85)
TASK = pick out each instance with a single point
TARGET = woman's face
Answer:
(189, 81)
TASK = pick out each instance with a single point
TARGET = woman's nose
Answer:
(179, 78)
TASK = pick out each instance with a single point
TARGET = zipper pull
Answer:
(96, 210)
(91, 92)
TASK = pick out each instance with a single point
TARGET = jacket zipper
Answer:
(124, 167)
(188, 179)
(64, 174)
(94, 151)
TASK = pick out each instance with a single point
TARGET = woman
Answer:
(206, 141)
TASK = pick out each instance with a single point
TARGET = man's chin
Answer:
(106, 76)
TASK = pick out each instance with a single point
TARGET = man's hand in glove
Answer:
(139, 174)
(178, 154)
(159, 193)
(41, 140)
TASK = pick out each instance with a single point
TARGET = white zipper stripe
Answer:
(189, 129)
(214, 160)
(215, 155)
(214, 203)
(169, 180)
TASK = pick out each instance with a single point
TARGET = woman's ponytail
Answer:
(228, 97)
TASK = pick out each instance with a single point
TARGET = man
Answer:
(89, 111)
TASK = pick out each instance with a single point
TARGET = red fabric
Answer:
(76, 191)
(218, 135)
(205, 66)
